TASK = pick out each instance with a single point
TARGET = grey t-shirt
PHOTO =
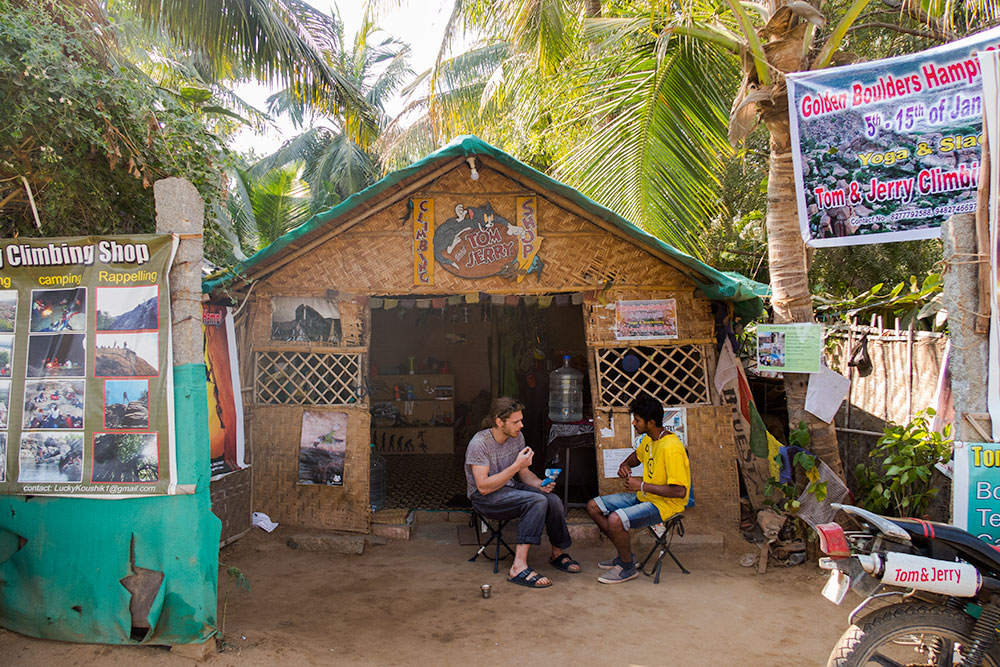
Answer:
(484, 451)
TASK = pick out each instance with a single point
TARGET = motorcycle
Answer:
(936, 588)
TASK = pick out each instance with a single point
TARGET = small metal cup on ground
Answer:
(486, 590)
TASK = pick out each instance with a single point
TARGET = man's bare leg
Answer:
(521, 562)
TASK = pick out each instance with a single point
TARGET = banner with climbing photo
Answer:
(225, 403)
(887, 150)
(86, 388)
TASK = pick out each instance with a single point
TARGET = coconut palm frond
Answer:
(657, 141)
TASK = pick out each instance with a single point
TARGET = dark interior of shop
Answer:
(433, 373)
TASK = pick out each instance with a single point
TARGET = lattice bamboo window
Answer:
(672, 374)
(307, 378)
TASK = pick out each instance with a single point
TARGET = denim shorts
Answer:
(633, 513)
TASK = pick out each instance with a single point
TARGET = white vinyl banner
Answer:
(989, 62)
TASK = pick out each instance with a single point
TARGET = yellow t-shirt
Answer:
(664, 461)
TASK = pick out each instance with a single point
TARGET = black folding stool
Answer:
(663, 533)
(495, 528)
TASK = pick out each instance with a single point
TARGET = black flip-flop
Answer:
(564, 562)
(528, 577)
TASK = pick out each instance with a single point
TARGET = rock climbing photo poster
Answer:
(225, 403)
(86, 392)
(889, 149)
(322, 448)
(305, 319)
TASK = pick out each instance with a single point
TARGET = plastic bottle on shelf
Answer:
(565, 393)
(376, 480)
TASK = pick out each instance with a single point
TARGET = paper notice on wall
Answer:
(789, 348)
(827, 390)
(613, 459)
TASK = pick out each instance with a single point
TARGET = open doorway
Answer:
(434, 371)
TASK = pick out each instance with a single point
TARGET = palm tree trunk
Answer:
(790, 296)
(591, 8)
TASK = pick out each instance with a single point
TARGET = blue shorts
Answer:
(634, 514)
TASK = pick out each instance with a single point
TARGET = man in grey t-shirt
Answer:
(495, 457)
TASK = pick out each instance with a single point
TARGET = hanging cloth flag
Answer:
(376, 302)
(749, 433)
(545, 301)
(391, 303)
(472, 298)
(562, 299)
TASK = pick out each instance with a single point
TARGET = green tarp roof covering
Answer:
(714, 284)
(762, 290)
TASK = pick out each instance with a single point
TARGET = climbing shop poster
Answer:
(225, 402)
(887, 150)
(84, 346)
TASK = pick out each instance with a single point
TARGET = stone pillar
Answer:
(969, 350)
(181, 210)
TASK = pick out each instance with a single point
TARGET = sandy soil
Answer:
(419, 603)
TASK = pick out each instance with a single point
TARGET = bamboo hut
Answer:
(391, 319)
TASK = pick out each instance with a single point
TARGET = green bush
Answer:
(898, 483)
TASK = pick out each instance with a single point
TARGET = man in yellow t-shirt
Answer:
(661, 492)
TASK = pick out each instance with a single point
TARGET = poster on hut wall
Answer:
(305, 319)
(674, 420)
(888, 150)
(322, 448)
(644, 320)
(475, 241)
(86, 391)
(976, 489)
(789, 348)
(225, 401)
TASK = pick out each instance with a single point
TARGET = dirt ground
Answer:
(418, 602)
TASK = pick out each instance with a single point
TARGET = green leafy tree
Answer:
(82, 140)
(335, 165)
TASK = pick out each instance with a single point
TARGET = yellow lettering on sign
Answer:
(529, 241)
(423, 242)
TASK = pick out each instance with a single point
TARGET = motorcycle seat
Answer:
(968, 547)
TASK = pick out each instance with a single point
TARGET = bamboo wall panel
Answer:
(888, 393)
(694, 316)
(374, 257)
(276, 472)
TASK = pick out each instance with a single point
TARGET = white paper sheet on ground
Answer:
(262, 520)
(613, 459)
(827, 390)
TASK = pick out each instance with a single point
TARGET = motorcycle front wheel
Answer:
(912, 634)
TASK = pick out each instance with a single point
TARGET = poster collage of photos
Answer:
(49, 431)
